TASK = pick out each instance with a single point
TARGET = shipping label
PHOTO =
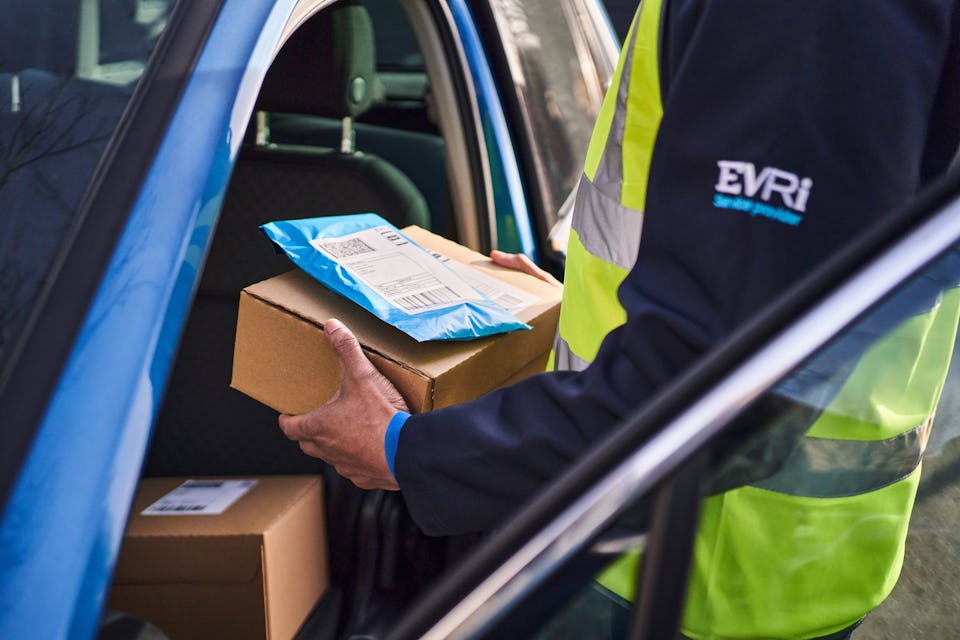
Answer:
(200, 498)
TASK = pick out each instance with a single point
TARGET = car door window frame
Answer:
(514, 50)
(683, 420)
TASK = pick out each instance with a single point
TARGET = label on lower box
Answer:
(200, 498)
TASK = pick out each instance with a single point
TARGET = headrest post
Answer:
(346, 141)
(263, 129)
(15, 93)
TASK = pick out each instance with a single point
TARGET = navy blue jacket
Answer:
(861, 97)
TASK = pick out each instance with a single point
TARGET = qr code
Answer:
(346, 248)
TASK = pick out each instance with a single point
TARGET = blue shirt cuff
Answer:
(392, 438)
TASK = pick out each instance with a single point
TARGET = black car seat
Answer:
(205, 427)
(399, 128)
(327, 69)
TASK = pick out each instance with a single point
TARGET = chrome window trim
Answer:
(603, 49)
(450, 121)
(596, 52)
(607, 41)
(574, 528)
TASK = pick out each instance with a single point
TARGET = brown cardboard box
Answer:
(255, 571)
(282, 359)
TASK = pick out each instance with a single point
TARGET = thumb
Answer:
(293, 426)
(345, 345)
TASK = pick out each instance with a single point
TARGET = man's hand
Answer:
(520, 262)
(348, 431)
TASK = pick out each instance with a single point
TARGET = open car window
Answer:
(560, 61)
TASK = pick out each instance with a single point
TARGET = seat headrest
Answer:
(327, 67)
(30, 37)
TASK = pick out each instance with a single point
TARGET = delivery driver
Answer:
(750, 139)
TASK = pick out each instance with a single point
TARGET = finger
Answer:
(521, 262)
(368, 484)
(311, 449)
(348, 350)
(365, 481)
(515, 261)
(292, 426)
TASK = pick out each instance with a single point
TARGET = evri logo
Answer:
(741, 178)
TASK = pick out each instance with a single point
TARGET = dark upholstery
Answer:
(291, 182)
(207, 428)
(333, 62)
(420, 156)
(41, 35)
(204, 426)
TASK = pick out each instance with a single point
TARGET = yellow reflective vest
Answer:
(802, 553)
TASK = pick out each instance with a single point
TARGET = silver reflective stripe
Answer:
(609, 176)
(600, 199)
(564, 359)
(826, 468)
(610, 231)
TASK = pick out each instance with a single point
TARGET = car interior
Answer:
(383, 130)
(362, 110)
(345, 123)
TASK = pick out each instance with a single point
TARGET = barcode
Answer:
(346, 248)
(508, 301)
(179, 507)
(394, 237)
(425, 299)
(202, 484)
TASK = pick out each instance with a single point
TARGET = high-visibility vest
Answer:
(608, 211)
(812, 549)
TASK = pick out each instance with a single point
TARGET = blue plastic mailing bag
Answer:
(371, 262)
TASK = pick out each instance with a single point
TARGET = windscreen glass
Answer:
(67, 71)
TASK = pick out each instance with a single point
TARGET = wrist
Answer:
(391, 439)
